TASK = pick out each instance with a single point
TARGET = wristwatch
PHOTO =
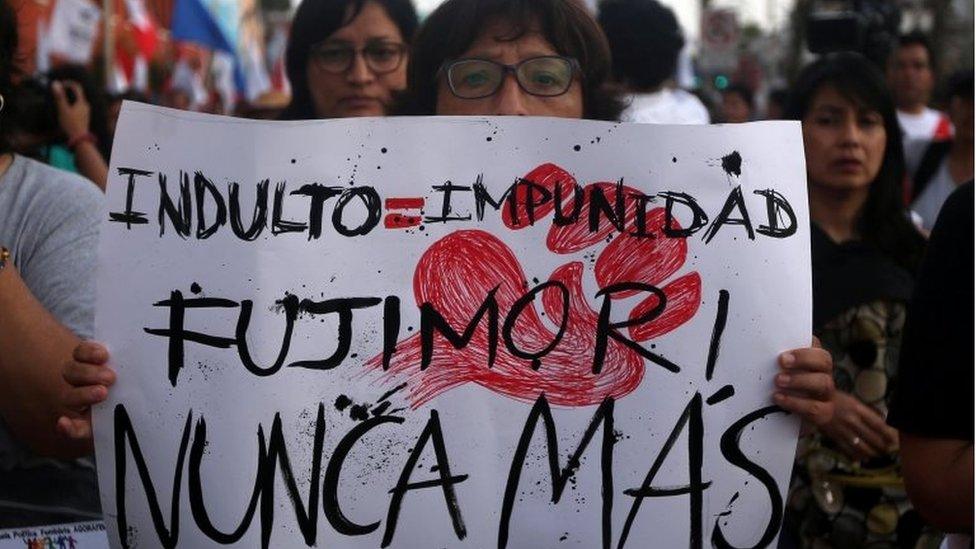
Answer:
(4, 256)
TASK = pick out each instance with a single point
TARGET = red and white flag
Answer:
(144, 28)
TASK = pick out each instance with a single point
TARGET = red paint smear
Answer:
(577, 236)
(398, 221)
(455, 275)
(649, 259)
(458, 272)
(404, 203)
(682, 299)
(547, 176)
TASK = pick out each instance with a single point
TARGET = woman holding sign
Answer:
(347, 57)
(865, 251)
(549, 58)
(505, 57)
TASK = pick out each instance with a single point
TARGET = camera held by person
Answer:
(869, 27)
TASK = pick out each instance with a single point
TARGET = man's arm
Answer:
(939, 480)
(932, 406)
(33, 348)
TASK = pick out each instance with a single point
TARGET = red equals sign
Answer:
(396, 220)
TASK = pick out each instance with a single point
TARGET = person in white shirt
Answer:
(645, 42)
(945, 165)
(911, 77)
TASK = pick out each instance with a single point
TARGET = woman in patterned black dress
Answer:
(848, 490)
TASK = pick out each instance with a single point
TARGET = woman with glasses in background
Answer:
(847, 489)
(347, 57)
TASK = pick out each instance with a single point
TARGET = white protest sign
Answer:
(74, 26)
(448, 332)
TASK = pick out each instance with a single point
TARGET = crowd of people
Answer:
(885, 389)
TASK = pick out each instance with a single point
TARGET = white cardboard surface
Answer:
(473, 414)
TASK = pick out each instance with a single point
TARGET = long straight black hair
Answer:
(884, 221)
(316, 20)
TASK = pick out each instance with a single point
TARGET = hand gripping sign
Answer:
(448, 332)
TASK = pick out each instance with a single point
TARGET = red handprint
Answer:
(457, 273)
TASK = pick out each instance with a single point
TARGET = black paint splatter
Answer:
(342, 402)
(359, 412)
(577, 148)
(732, 163)
(279, 304)
(195, 288)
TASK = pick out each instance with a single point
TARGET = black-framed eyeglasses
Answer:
(381, 57)
(545, 76)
